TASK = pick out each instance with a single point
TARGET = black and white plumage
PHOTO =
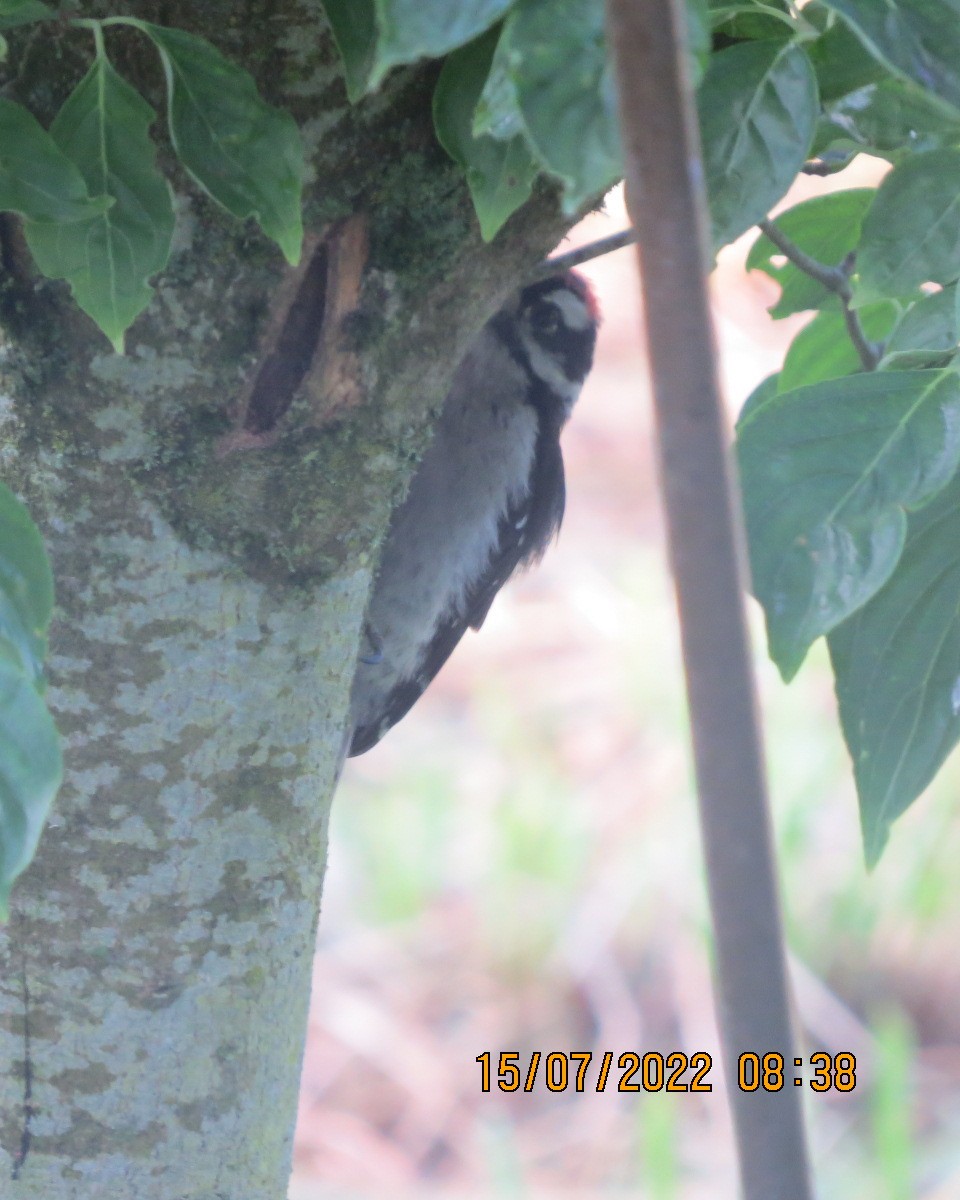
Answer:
(487, 498)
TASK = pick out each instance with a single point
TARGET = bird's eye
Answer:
(546, 319)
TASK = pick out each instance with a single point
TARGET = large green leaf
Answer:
(758, 113)
(826, 228)
(911, 235)
(566, 93)
(897, 668)
(244, 152)
(827, 473)
(107, 260)
(375, 35)
(499, 174)
(30, 773)
(918, 39)
(37, 179)
(26, 588)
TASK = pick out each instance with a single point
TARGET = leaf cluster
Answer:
(97, 211)
(525, 88)
(851, 478)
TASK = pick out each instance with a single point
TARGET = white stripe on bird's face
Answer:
(576, 314)
(548, 368)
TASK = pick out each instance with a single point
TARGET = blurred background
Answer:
(517, 867)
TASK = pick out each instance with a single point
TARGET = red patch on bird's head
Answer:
(584, 290)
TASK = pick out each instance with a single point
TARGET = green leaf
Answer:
(244, 152)
(23, 12)
(917, 360)
(897, 668)
(30, 773)
(926, 335)
(750, 19)
(30, 767)
(375, 35)
(842, 63)
(827, 472)
(911, 235)
(566, 93)
(414, 29)
(828, 229)
(931, 323)
(890, 118)
(102, 128)
(37, 179)
(499, 174)
(26, 587)
(758, 114)
(823, 350)
(497, 113)
(917, 39)
(765, 390)
(354, 27)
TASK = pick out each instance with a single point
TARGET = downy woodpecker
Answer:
(487, 497)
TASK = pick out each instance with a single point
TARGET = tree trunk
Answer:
(212, 514)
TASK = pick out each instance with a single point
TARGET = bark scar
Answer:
(303, 348)
(28, 1110)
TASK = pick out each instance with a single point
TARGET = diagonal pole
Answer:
(704, 529)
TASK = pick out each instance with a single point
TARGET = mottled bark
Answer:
(154, 976)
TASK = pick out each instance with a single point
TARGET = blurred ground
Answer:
(517, 868)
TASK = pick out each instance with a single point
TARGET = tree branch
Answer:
(573, 258)
(834, 279)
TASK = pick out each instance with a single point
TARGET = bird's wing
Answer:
(523, 534)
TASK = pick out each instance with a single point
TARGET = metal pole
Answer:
(704, 528)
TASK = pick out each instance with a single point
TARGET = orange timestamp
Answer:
(578, 1070)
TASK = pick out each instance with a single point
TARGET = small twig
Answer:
(870, 352)
(836, 280)
(573, 258)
